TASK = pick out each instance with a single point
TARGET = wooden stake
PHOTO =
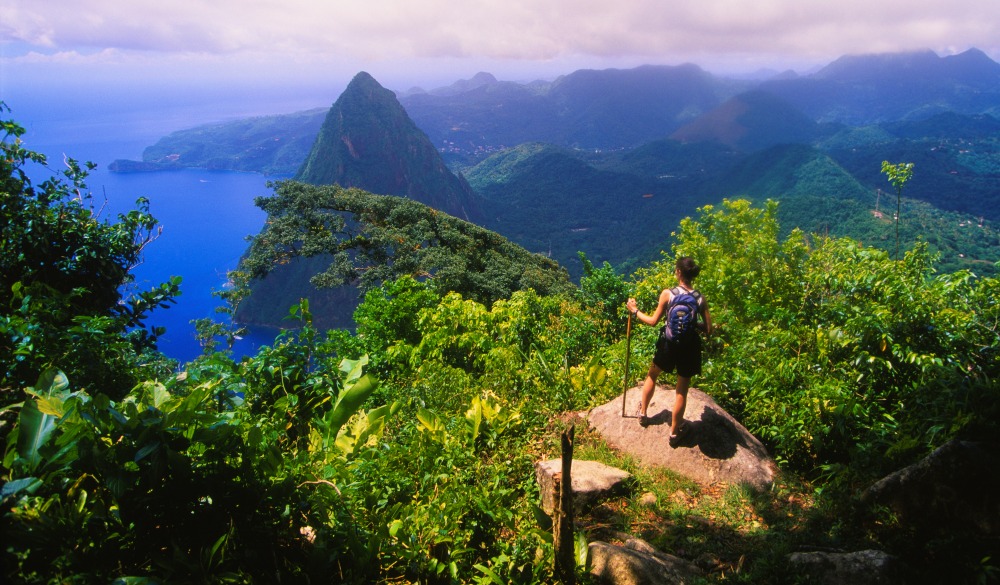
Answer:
(562, 526)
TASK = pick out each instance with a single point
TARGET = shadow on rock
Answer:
(716, 448)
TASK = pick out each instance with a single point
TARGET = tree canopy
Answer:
(371, 239)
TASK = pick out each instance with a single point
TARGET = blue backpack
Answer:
(682, 316)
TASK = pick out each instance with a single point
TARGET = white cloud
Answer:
(364, 32)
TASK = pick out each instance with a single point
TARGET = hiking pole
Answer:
(628, 354)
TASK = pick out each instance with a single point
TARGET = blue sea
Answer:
(206, 216)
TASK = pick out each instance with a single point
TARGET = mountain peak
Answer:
(750, 121)
(973, 64)
(362, 78)
(853, 67)
(465, 85)
(484, 77)
(368, 141)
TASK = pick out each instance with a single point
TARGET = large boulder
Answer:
(715, 449)
(955, 487)
(638, 563)
(866, 567)
(591, 482)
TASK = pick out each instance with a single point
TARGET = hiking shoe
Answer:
(643, 419)
(675, 440)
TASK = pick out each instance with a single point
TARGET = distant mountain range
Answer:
(608, 109)
(608, 162)
(612, 109)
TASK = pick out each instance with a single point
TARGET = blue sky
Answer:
(301, 53)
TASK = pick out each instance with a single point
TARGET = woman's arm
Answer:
(661, 306)
(706, 325)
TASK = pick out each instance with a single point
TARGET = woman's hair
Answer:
(689, 269)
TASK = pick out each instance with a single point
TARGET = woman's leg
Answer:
(680, 403)
(648, 386)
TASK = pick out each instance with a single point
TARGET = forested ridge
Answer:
(403, 452)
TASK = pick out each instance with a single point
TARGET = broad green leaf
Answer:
(159, 395)
(429, 420)
(348, 403)
(35, 430)
(489, 573)
(25, 484)
(52, 381)
(146, 450)
(582, 549)
(394, 527)
(363, 430)
(50, 405)
(475, 417)
(215, 549)
(353, 369)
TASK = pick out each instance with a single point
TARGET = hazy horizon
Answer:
(274, 56)
(137, 112)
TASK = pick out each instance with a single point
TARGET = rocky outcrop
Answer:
(638, 563)
(955, 487)
(866, 567)
(716, 448)
(591, 481)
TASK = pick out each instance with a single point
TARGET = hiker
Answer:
(679, 344)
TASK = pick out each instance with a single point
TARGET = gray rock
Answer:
(638, 563)
(716, 448)
(866, 567)
(592, 481)
(956, 486)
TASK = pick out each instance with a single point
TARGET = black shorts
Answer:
(685, 357)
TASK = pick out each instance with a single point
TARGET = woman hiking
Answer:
(679, 345)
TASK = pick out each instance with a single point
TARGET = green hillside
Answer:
(955, 170)
(339, 240)
(550, 201)
(751, 121)
(619, 207)
(273, 145)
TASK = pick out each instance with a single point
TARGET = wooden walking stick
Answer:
(628, 354)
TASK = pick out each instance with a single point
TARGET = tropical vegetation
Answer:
(404, 451)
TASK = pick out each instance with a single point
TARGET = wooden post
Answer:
(562, 525)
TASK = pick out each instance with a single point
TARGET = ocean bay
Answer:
(206, 217)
